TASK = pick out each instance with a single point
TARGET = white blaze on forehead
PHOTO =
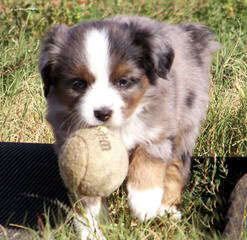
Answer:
(97, 53)
(100, 94)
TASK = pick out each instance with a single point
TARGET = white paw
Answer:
(88, 229)
(171, 211)
(146, 203)
(87, 226)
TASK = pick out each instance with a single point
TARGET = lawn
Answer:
(224, 133)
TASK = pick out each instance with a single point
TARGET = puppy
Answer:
(148, 82)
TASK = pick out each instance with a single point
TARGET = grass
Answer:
(22, 105)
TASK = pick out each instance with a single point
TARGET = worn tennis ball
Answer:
(93, 162)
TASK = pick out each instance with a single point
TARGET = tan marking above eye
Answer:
(81, 71)
(133, 98)
(119, 71)
(86, 75)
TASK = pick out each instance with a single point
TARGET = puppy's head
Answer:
(100, 71)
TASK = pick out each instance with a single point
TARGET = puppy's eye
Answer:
(79, 85)
(126, 83)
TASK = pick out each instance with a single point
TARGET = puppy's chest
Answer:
(136, 132)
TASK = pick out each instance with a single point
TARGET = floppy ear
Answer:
(163, 56)
(52, 45)
(157, 55)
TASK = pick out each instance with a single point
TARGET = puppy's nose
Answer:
(103, 114)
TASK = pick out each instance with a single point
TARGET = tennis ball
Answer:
(93, 162)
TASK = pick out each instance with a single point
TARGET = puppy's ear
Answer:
(163, 56)
(202, 38)
(157, 54)
(52, 45)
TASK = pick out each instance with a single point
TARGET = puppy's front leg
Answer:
(145, 184)
(90, 211)
(176, 175)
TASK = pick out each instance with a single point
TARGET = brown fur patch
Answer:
(145, 171)
(119, 71)
(174, 183)
(132, 99)
(85, 74)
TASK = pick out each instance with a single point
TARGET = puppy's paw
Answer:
(88, 229)
(88, 218)
(144, 203)
(170, 211)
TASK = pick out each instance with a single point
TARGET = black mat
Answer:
(30, 185)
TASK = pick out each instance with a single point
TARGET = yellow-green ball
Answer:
(93, 162)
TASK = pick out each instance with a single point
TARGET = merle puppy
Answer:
(148, 82)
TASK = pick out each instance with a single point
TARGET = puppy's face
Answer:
(100, 71)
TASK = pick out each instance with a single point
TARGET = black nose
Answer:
(103, 114)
